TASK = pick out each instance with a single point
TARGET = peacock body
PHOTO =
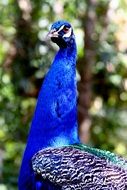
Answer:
(55, 119)
(53, 158)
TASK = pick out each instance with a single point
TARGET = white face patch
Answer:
(61, 28)
(68, 34)
(54, 33)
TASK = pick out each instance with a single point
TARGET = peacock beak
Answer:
(52, 34)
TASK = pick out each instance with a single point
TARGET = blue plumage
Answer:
(55, 119)
(55, 125)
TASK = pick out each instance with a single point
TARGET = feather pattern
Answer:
(72, 168)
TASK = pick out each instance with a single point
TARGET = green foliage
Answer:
(25, 57)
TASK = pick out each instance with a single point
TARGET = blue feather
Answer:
(55, 119)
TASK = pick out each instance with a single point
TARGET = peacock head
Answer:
(61, 33)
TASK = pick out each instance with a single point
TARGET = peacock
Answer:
(54, 158)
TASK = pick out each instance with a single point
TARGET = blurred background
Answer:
(101, 33)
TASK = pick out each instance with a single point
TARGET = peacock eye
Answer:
(65, 29)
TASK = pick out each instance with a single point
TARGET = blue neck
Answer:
(55, 119)
(56, 114)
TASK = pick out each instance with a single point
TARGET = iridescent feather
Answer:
(81, 167)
